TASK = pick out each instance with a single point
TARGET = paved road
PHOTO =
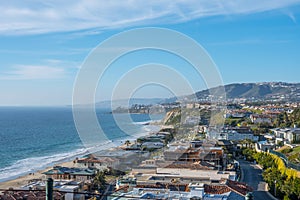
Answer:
(109, 190)
(252, 175)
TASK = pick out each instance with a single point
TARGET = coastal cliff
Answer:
(172, 117)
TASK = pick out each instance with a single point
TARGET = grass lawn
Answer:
(292, 154)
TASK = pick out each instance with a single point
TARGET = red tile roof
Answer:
(30, 195)
(233, 186)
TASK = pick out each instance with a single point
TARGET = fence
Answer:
(285, 160)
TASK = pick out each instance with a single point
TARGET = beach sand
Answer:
(23, 180)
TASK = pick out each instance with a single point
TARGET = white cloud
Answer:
(32, 16)
(24, 72)
(66, 64)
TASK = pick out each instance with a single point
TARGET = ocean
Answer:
(35, 138)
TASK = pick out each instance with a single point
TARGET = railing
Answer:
(285, 160)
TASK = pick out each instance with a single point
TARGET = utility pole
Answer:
(49, 189)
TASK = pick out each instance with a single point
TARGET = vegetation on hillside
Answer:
(287, 120)
(293, 154)
(285, 182)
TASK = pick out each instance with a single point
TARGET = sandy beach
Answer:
(23, 180)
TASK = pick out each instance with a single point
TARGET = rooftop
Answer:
(67, 170)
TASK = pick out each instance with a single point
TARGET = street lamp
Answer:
(174, 181)
(275, 188)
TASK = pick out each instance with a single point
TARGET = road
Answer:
(252, 175)
(109, 189)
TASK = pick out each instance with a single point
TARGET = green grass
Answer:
(292, 154)
(296, 150)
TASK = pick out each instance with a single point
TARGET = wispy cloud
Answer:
(66, 64)
(248, 42)
(34, 17)
(24, 72)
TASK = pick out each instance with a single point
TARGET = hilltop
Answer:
(267, 91)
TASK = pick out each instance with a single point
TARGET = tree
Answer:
(284, 181)
(127, 142)
(99, 181)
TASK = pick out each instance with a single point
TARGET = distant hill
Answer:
(267, 91)
(258, 91)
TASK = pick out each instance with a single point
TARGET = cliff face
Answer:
(172, 117)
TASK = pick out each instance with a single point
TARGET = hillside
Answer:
(258, 91)
(268, 91)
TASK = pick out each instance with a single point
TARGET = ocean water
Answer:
(35, 138)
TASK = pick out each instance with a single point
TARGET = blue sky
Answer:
(43, 45)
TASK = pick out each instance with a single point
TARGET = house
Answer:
(77, 174)
(227, 145)
(225, 189)
(231, 190)
(256, 118)
(15, 194)
(264, 146)
(152, 145)
(236, 136)
(232, 133)
(98, 163)
(68, 187)
(286, 135)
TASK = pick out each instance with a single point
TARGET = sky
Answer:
(43, 44)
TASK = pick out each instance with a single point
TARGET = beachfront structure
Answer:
(286, 135)
(152, 145)
(98, 163)
(77, 174)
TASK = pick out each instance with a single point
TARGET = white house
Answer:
(255, 118)
(286, 135)
(234, 134)
(99, 163)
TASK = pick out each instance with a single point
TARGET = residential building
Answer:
(12, 195)
(256, 118)
(77, 174)
(232, 133)
(286, 135)
(264, 146)
(98, 163)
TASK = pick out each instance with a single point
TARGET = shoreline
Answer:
(23, 180)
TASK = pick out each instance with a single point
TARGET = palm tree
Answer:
(99, 181)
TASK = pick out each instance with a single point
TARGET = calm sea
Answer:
(34, 138)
